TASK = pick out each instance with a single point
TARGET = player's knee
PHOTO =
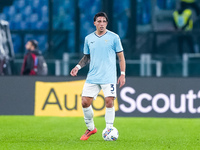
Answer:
(109, 102)
(109, 105)
(85, 102)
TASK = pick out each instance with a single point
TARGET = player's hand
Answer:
(74, 71)
(121, 80)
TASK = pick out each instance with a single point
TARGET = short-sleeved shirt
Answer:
(102, 50)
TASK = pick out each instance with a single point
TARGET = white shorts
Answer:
(92, 90)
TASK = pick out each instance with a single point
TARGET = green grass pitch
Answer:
(60, 133)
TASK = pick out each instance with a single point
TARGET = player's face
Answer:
(101, 24)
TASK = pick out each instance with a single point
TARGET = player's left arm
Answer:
(122, 65)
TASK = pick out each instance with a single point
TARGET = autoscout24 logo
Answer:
(64, 99)
(160, 102)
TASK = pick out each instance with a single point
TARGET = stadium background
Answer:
(158, 108)
(144, 26)
(149, 41)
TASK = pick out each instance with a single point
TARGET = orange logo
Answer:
(64, 99)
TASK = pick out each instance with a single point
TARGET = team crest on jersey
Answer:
(106, 41)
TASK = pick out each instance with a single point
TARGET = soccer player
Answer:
(100, 49)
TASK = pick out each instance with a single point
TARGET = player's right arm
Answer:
(82, 63)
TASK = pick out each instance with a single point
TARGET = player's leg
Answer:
(88, 117)
(89, 92)
(88, 112)
(110, 94)
(110, 112)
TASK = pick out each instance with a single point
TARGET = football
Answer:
(110, 134)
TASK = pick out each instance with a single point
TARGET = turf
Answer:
(60, 133)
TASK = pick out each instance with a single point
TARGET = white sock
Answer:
(88, 117)
(110, 117)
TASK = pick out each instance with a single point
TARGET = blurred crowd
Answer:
(33, 15)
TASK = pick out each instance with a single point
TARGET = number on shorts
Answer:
(112, 87)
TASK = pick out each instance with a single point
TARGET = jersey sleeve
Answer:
(86, 47)
(118, 45)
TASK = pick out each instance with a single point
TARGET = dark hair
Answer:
(34, 43)
(101, 14)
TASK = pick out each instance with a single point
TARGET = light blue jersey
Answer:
(102, 50)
